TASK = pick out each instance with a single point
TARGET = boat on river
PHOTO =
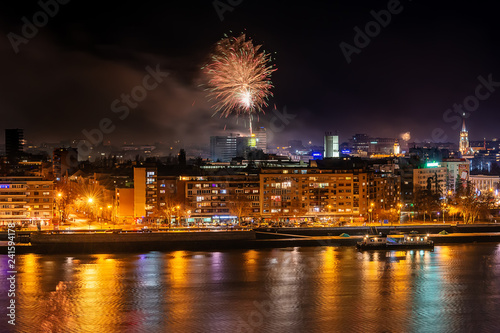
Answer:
(395, 242)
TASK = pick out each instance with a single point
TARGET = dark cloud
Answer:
(428, 58)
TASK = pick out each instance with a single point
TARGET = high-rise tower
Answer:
(14, 141)
(331, 145)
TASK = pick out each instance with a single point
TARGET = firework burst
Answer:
(239, 77)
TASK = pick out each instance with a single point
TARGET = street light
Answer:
(371, 211)
(100, 208)
(400, 212)
(329, 212)
(444, 210)
(90, 201)
(58, 200)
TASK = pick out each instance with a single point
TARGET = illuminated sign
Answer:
(432, 165)
(316, 155)
(4, 186)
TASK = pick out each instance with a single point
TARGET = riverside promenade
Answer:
(119, 240)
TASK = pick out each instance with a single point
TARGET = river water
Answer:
(454, 288)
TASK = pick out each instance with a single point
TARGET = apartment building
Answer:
(305, 194)
(433, 175)
(26, 200)
(219, 198)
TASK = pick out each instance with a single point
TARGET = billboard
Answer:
(463, 172)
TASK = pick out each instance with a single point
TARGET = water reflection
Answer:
(453, 288)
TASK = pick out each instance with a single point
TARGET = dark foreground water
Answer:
(323, 289)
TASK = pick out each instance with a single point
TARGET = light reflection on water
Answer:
(322, 289)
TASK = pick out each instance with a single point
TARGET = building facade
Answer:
(457, 172)
(331, 145)
(14, 142)
(26, 200)
(311, 193)
(431, 175)
(215, 199)
(145, 193)
(223, 148)
(64, 160)
(261, 139)
(124, 205)
(486, 183)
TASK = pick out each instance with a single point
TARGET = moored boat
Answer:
(406, 241)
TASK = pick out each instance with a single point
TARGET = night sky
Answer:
(427, 58)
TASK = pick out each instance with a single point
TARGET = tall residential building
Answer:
(145, 192)
(26, 200)
(222, 148)
(221, 198)
(14, 141)
(384, 191)
(310, 193)
(331, 145)
(464, 141)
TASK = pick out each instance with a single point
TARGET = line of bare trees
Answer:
(470, 204)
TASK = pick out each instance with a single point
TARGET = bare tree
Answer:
(426, 201)
(167, 209)
(240, 205)
(471, 203)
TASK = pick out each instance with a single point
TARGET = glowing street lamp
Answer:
(58, 201)
(371, 211)
(400, 213)
(90, 201)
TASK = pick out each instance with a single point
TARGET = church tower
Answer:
(464, 141)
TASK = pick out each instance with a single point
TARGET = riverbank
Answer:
(94, 243)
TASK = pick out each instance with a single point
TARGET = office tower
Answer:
(331, 145)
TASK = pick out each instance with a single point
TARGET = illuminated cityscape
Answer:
(287, 187)
(249, 166)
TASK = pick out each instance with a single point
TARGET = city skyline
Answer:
(249, 166)
(205, 146)
(327, 80)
